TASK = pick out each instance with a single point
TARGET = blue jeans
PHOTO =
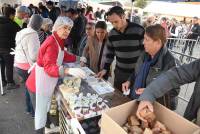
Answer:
(24, 75)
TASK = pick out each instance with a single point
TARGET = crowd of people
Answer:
(176, 28)
(36, 41)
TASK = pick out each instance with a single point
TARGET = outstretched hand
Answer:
(141, 106)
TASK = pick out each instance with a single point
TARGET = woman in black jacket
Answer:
(155, 60)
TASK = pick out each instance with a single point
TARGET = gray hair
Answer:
(62, 21)
(46, 21)
(22, 9)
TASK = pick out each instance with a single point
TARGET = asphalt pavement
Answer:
(13, 117)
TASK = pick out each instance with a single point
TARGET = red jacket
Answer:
(47, 58)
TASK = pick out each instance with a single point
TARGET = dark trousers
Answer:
(33, 98)
(120, 77)
(7, 67)
(75, 43)
(40, 131)
(171, 43)
(29, 105)
(189, 45)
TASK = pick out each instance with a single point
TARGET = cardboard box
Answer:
(114, 118)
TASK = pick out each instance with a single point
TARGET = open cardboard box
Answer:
(112, 119)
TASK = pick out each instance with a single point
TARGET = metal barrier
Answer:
(186, 51)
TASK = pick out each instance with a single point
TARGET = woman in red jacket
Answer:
(48, 69)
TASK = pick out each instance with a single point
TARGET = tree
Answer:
(140, 3)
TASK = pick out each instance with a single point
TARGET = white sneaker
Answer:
(47, 130)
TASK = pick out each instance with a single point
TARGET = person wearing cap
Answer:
(49, 68)
(8, 30)
(27, 46)
(22, 13)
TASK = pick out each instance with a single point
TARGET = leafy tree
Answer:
(140, 3)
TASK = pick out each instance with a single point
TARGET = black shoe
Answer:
(40, 131)
(10, 86)
(4, 83)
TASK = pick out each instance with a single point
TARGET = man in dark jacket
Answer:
(97, 14)
(174, 78)
(193, 33)
(77, 30)
(54, 11)
(84, 19)
(8, 30)
(195, 29)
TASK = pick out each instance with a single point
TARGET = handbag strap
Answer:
(25, 53)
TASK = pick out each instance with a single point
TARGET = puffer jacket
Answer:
(164, 63)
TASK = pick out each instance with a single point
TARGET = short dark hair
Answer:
(9, 11)
(156, 32)
(164, 19)
(117, 10)
(195, 18)
(50, 3)
(83, 10)
(72, 11)
(101, 24)
(78, 10)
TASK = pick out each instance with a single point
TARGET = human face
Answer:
(89, 30)
(117, 21)
(49, 6)
(21, 15)
(12, 16)
(74, 16)
(151, 46)
(194, 21)
(68, 14)
(172, 23)
(64, 31)
(100, 33)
